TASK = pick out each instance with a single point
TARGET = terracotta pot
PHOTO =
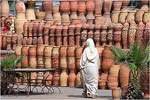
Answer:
(99, 20)
(40, 14)
(131, 34)
(107, 20)
(65, 35)
(77, 34)
(47, 62)
(76, 21)
(124, 75)
(97, 35)
(71, 63)
(56, 8)
(115, 16)
(107, 6)
(112, 85)
(34, 40)
(114, 70)
(90, 5)
(32, 61)
(98, 7)
(63, 63)
(125, 3)
(51, 35)
(146, 17)
(40, 62)
(81, 7)
(35, 28)
(5, 8)
(40, 50)
(48, 5)
(122, 16)
(65, 6)
(25, 61)
(74, 6)
(32, 51)
(78, 80)
(82, 17)
(117, 5)
(20, 7)
(58, 35)
(25, 50)
(63, 78)
(30, 29)
(63, 51)
(19, 25)
(110, 35)
(144, 81)
(25, 28)
(18, 50)
(65, 19)
(55, 57)
(57, 18)
(49, 78)
(71, 52)
(125, 35)
(40, 40)
(40, 28)
(56, 79)
(139, 33)
(30, 14)
(116, 93)
(48, 51)
(103, 35)
(102, 84)
(139, 16)
(131, 16)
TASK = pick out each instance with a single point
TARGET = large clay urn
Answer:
(48, 4)
(30, 13)
(107, 58)
(5, 8)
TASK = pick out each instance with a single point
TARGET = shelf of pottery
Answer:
(54, 35)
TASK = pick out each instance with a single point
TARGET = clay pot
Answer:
(35, 28)
(71, 35)
(114, 70)
(18, 50)
(78, 80)
(25, 28)
(30, 29)
(57, 18)
(58, 35)
(25, 50)
(90, 5)
(117, 5)
(48, 51)
(115, 16)
(32, 51)
(74, 6)
(5, 8)
(99, 20)
(65, 19)
(63, 51)
(107, 20)
(146, 17)
(102, 84)
(40, 28)
(125, 35)
(78, 52)
(76, 21)
(40, 50)
(20, 7)
(139, 16)
(107, 6)
(110, 35)
(77, 34)
(112, 85)
(32, 61)
(63, 78)
(71, 52)
(81, 7)
(65, 35)
(65, 6)
(55, 8)
(116, 93)
(55, 57)
(125, 3)
(30, 14)
(103, 35)
(48, 5)
(122, 16)
(56, 79)
(71, 79)
(47, 62)
(97, 35)
(51, 35)
(131, 16)
(98, 7)
(40, 14)
(25, 61)
(19, 25)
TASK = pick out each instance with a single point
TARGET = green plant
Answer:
(10, 62)
(136, 58)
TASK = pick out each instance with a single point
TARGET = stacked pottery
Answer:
(56, 14)
(122, 16)
(90, 31)
(71, 35)
(40, 53)
(32, 56)
(113, 76)
(5, 8)
(48, 4)
(77, 34)
(104, 35)
(78, 54)
(46, 32)
(71, 66)
(35, 28)
(107, 8)
(107, 59)
(73, 9)
(139, 16)
(65, 8)
(47, 56)
(20, 17)
(125, 35)
(131, 16)
(55, 64)
(90, 6)
(65, 35)
(110, 35)
(63, 65)
(84, 34)
(52, 34)
(139, 33)
(30, 13)
(25, 53)
(58, 35)
(131, 34)
(82, 10)
(97, 35)
(124, 73)
(117, 35)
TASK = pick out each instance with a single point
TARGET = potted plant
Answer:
(8, 63)
(135, 59)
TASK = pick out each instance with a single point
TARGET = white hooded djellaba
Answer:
(89, 69)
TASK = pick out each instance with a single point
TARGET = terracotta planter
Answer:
(51, 35)
(58, 35)
(90, 6)
(25, 50)
(32, 51)
(55, 57)
(131, 16)
(47, 62)
(98, 7)
(34, 41)
(139, 16)
(146, 17)
(48, 5)
(57, 18)
(5, 8)
(117, 5)
(107, 6)
(115, 16)
(65, 18)
(40, 40)
(81, 7)
(73, 9)
(30, 14)
(97, 35)
(63, 78)
(77, 34)
(125, 35)
(63, 51)
(65, 6)
(122, 16)
(40, 50)
(19, 25)
(102, 84)
(71, 51)
(71, 34)
(114, 70)
(110, 35)
(103, 35)
(65, 35)
(78, 80)
(63, 63)
(48, 51)
(32, 61)
(56, 78)
(107, 20)
(35, 28)
(40, 28)
(25, 29)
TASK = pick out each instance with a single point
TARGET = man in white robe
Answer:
(89, 69)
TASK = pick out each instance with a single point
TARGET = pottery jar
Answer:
(5, 8)
(107, 6)
(65, 6)
(146, 17)
(98, 7)
(122, 16)
(117, 5)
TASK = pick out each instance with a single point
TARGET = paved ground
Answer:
(66, 94)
